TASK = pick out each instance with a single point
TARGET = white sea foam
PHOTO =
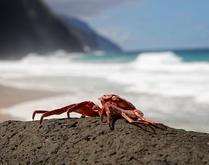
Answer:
(162, 73)
(166, 74)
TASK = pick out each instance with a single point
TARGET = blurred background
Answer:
(153, 53)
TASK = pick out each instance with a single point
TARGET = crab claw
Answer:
(139, 113)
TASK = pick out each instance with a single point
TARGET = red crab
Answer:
(113, 107)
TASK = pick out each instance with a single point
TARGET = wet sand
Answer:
(10, 96)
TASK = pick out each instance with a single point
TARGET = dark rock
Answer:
(55, 143)
(29, 26)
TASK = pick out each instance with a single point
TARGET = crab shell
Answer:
(119, 102)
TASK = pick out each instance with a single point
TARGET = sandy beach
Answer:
(10, 96)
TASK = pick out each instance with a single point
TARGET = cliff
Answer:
(85, 141)
(29, 26)
(88, 37)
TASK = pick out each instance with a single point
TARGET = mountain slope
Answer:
(29, 26)
(91, 40)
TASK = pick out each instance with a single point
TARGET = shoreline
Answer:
(11, 96)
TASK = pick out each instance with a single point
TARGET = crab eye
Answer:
(114, 98)
(106, 97)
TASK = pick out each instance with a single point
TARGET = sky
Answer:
(144, 24)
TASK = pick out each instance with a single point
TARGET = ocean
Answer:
(171, 87)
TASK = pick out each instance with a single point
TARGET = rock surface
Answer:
(85, 141)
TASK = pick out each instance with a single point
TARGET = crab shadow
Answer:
(147, 127)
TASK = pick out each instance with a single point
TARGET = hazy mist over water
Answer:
(169, 87)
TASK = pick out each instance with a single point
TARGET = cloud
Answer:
(82, 8)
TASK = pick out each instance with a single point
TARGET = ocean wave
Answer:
(168, 75)
(158, 58)
(158, 73)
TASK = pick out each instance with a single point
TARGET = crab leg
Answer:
(76, 107)
(127, 118)
(106, 108)
(110, 112)
(38, 111)
(85, 108)
(125, 114)
(143, 118)
(53, 112)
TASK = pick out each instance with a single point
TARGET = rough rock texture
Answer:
(85, 141)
